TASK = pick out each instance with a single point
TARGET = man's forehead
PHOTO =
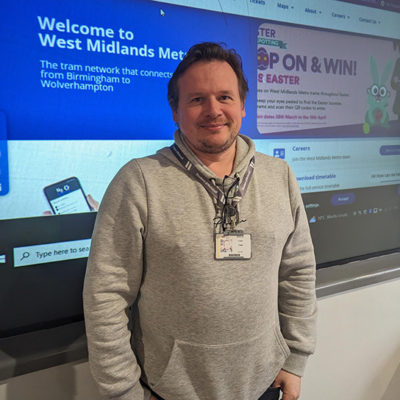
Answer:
(202, 65)
(202, 71)
(220, 91)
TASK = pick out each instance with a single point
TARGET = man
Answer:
(206, 325)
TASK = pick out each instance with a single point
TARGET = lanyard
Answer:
(210, 186)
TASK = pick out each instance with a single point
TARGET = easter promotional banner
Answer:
(310, 79)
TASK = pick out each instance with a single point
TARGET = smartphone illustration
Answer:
(67, 197)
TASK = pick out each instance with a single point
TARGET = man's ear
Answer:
(175, 115)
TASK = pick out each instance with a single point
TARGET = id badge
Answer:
(232, 245)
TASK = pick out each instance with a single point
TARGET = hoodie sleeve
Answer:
(112, 283)
(297, 299)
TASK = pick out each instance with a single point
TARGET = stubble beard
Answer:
(204, 146)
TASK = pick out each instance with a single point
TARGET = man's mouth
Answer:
(213, 125)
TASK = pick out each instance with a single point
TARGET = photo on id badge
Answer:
(226, 246)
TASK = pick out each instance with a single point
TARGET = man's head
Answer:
(207, 51)
(207, 94)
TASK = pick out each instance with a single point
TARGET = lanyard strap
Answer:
(210, 186)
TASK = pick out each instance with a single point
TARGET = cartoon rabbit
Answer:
(378, 97)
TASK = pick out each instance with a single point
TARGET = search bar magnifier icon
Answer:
(25, 254)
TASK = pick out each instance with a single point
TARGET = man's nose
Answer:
(212, 107)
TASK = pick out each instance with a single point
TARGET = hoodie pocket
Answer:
(240, 371)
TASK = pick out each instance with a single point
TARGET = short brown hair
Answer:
(207, 51)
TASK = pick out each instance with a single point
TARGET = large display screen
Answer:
(83, 90)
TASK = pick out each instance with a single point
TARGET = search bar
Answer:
(51, 252)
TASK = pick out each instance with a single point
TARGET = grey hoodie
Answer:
(202, 329)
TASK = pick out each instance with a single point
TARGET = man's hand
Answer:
(289, 384)
(93, 203)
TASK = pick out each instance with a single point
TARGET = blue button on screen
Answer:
(392, 150)
(343, 198)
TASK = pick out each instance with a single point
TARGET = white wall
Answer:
(357, 357)
(358, 351)
(66, 382)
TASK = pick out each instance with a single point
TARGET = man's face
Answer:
(210, 110)
(227, 245)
